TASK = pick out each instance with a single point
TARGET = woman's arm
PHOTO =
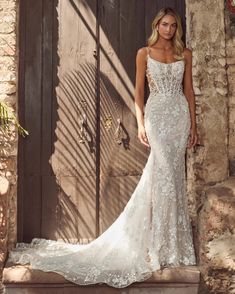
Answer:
(139, 94)
(189, 94)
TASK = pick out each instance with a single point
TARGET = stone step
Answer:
(19, 279)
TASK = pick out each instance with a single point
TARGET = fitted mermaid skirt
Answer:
(153, 231)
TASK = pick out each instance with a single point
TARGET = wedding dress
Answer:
(153, 231)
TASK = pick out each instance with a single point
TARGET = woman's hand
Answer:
(142, 136)
(193, 138)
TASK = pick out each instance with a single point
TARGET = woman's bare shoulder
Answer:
(142, 52)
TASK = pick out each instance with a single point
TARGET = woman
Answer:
(153, 231)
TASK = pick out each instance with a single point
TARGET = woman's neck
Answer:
(163, 44)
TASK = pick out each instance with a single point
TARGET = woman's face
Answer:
(167, 27)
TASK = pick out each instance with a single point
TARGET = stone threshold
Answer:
(19, 279)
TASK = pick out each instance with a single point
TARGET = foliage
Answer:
(7, 117)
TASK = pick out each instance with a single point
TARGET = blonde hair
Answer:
(178, 44)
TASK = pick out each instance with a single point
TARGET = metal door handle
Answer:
(117, 134)
(83, 122)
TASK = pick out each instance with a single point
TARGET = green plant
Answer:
(7, 117)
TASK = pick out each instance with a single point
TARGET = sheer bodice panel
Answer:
(165, 78)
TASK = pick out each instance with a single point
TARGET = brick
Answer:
(7, 88)
(6, 28)
(8, 5)
(7, 63)
(7, 44)
(6, 76)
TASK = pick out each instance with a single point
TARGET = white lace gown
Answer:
(154, 230)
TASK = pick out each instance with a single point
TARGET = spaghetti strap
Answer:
(147, 48)
(147, 57)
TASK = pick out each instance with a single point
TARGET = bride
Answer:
(153, 231)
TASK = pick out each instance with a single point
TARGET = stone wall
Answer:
(209, 164)
(8, 139)
(230, 61)
(210, 185)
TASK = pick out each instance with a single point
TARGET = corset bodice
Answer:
(165, 78)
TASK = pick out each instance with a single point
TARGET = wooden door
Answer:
(57, 162)
(82, 160)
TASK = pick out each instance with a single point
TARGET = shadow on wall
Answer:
(57, 184)
(73, 160)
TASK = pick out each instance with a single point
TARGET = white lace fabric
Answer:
(154, 230)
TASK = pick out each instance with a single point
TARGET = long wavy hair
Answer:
(178, 44)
